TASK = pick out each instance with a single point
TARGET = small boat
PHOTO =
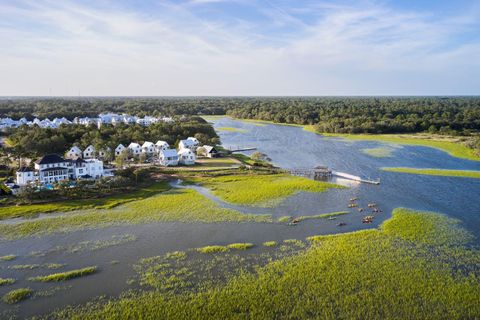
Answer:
(295, 221)
(372, 205)
(332, 218)
(367, 219)
(360, 209)
(352, 205)
(341, 224)
(353, 199)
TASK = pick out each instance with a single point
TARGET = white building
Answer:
(119, 149)
(189, 143)
(135, 149)
(211, 152)
(168, 157)
(74, 153)
(148, 148)
(25, 176)
(161, 145)
(186, 157)
(53, 168)
(89, 152)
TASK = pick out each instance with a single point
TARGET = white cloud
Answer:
(66, 48)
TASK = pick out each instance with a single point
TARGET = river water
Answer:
(288, 147)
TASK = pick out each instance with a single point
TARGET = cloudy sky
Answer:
(239, 47)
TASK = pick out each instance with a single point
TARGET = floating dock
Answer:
(354, 178)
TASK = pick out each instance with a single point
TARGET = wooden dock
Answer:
(322, 172)
(240, 149)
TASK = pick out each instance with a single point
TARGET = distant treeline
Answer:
(35, 141)
(446, 115)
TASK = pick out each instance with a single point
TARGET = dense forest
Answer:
(35, 141)
(444, 115)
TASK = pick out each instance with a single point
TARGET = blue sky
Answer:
(239, 47)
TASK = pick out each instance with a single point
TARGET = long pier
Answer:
(239, 149)
(320, 172)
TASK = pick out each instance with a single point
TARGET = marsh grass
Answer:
(8, 257)
(231, 129)
(6, 281)
(17, 295)
(28, 210)
(437, 172)
(62, 276)
(413, 267)
(270, 244)
(379, 152)
(179, 205)
(240, 246)
(453, 146)
(261, 190)
(322, 215)
(284, 219)
(212, 249)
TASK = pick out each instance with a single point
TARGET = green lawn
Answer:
(261, 190)
(418, 265)
(7, 212)
(437, 172)
(184, 205)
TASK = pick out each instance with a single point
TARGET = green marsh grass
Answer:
(284, 219)
(261, 190)
(8, 212)
(418, 265)
(17, 295)
(212, 249)
(379, 152)
(6, 281)
(437, 172)
(8, 257)
(240, 246)
(62, 276)
(270, 244)
(182, 205)
(322, 215)
(231, 129)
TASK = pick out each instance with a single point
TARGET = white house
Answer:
(188, 144)
(186, 157)
(148, 148)
(168, 157)
(211, 152)
(52, 168)
(161, 145)
(135, 149)
(89, 152)
(74, 153)
(194, 140)
(25, 176)
(119, 149)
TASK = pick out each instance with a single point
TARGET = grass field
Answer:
(261, 190)
(183, 205)
(437, 172)
(418, 265)
(17, 295)
(8, 212)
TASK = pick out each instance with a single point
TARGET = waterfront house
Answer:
(186, 157)
(52, 168)
(89, 152)
(189, 143)
(25, 176)
(74, 153)
(168, 157)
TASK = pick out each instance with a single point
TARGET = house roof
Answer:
(120, 146)
(134, 145)
(53, 169)
(161, 143)
(50, 158)
(147, 144)
(210, 149)
(187, 142)
(169, 152)
(24, 169)
(75, 149)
